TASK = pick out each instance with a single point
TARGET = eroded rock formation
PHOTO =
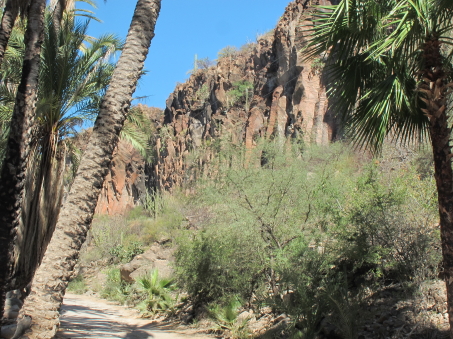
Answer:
(264, 90)
(125, 183)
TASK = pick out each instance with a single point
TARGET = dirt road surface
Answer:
(88, 317)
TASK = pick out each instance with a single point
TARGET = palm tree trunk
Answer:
(52, 277)
(60, 5)
(43, 195)
(8, 19)
(18, 148)
(440, 134)
(435, 88)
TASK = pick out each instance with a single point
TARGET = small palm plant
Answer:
(227, 318)
(159, 298)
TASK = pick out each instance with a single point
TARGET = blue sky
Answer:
(186, 28)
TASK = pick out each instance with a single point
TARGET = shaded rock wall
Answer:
(126, 181)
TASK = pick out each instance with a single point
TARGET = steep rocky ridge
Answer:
(263, 90)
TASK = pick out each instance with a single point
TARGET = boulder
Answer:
(157, 257)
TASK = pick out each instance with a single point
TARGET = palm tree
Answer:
(18, 145)
(10, 12)
(52, 276)
(390, 70)
(72, 79)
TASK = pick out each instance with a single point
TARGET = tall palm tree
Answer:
(390, 70)
(52, 277)
(18, 145)
(72, 79)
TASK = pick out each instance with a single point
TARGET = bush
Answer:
(205, 63)
(306, 230)
(226, 317)
(383, 232)
(120, 238)
(227, 52)
(77, 285)
(257, 212)
(115, 289)
(126, 253)
(203, 92)
(241, 91)
(214, 264)
(248, 48)
(158, 294)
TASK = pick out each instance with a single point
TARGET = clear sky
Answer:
(186, 28)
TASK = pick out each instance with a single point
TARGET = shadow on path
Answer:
(87, 317)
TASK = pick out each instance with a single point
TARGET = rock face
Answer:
(263, 90)
(124, 183)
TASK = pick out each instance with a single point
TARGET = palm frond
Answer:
(136, 131)
(374, 61)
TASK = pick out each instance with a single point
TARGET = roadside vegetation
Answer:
(309, 232)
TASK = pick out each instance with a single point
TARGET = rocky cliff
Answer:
(126, 180)
(262, 90)
(265, 90)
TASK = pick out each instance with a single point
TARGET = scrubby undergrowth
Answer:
(312, 242)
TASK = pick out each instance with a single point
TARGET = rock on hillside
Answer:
(125, 182)
(262, 90)
(265, 90)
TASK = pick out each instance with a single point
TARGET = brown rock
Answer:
(157, 257)
(124, 183)
(288, 100)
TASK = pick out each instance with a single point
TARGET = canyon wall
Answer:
(265, 89)
(262, 90)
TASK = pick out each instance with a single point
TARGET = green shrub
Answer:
(166, 212)
(305, 231)
(227, 52)
(125, 254)
(226, 318)
(115, 289)
(383, 231)
(305, 274)
(122, 237)
(317, 66)
(345, 310)
(137, 212)
(218, 262)
(158, 294)
(241, 91)
(203, 92)
(78, 285)
(257, 211)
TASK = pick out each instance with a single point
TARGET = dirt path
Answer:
(88, 317)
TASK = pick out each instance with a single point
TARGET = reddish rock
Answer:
(124, 183)
(288, 100)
